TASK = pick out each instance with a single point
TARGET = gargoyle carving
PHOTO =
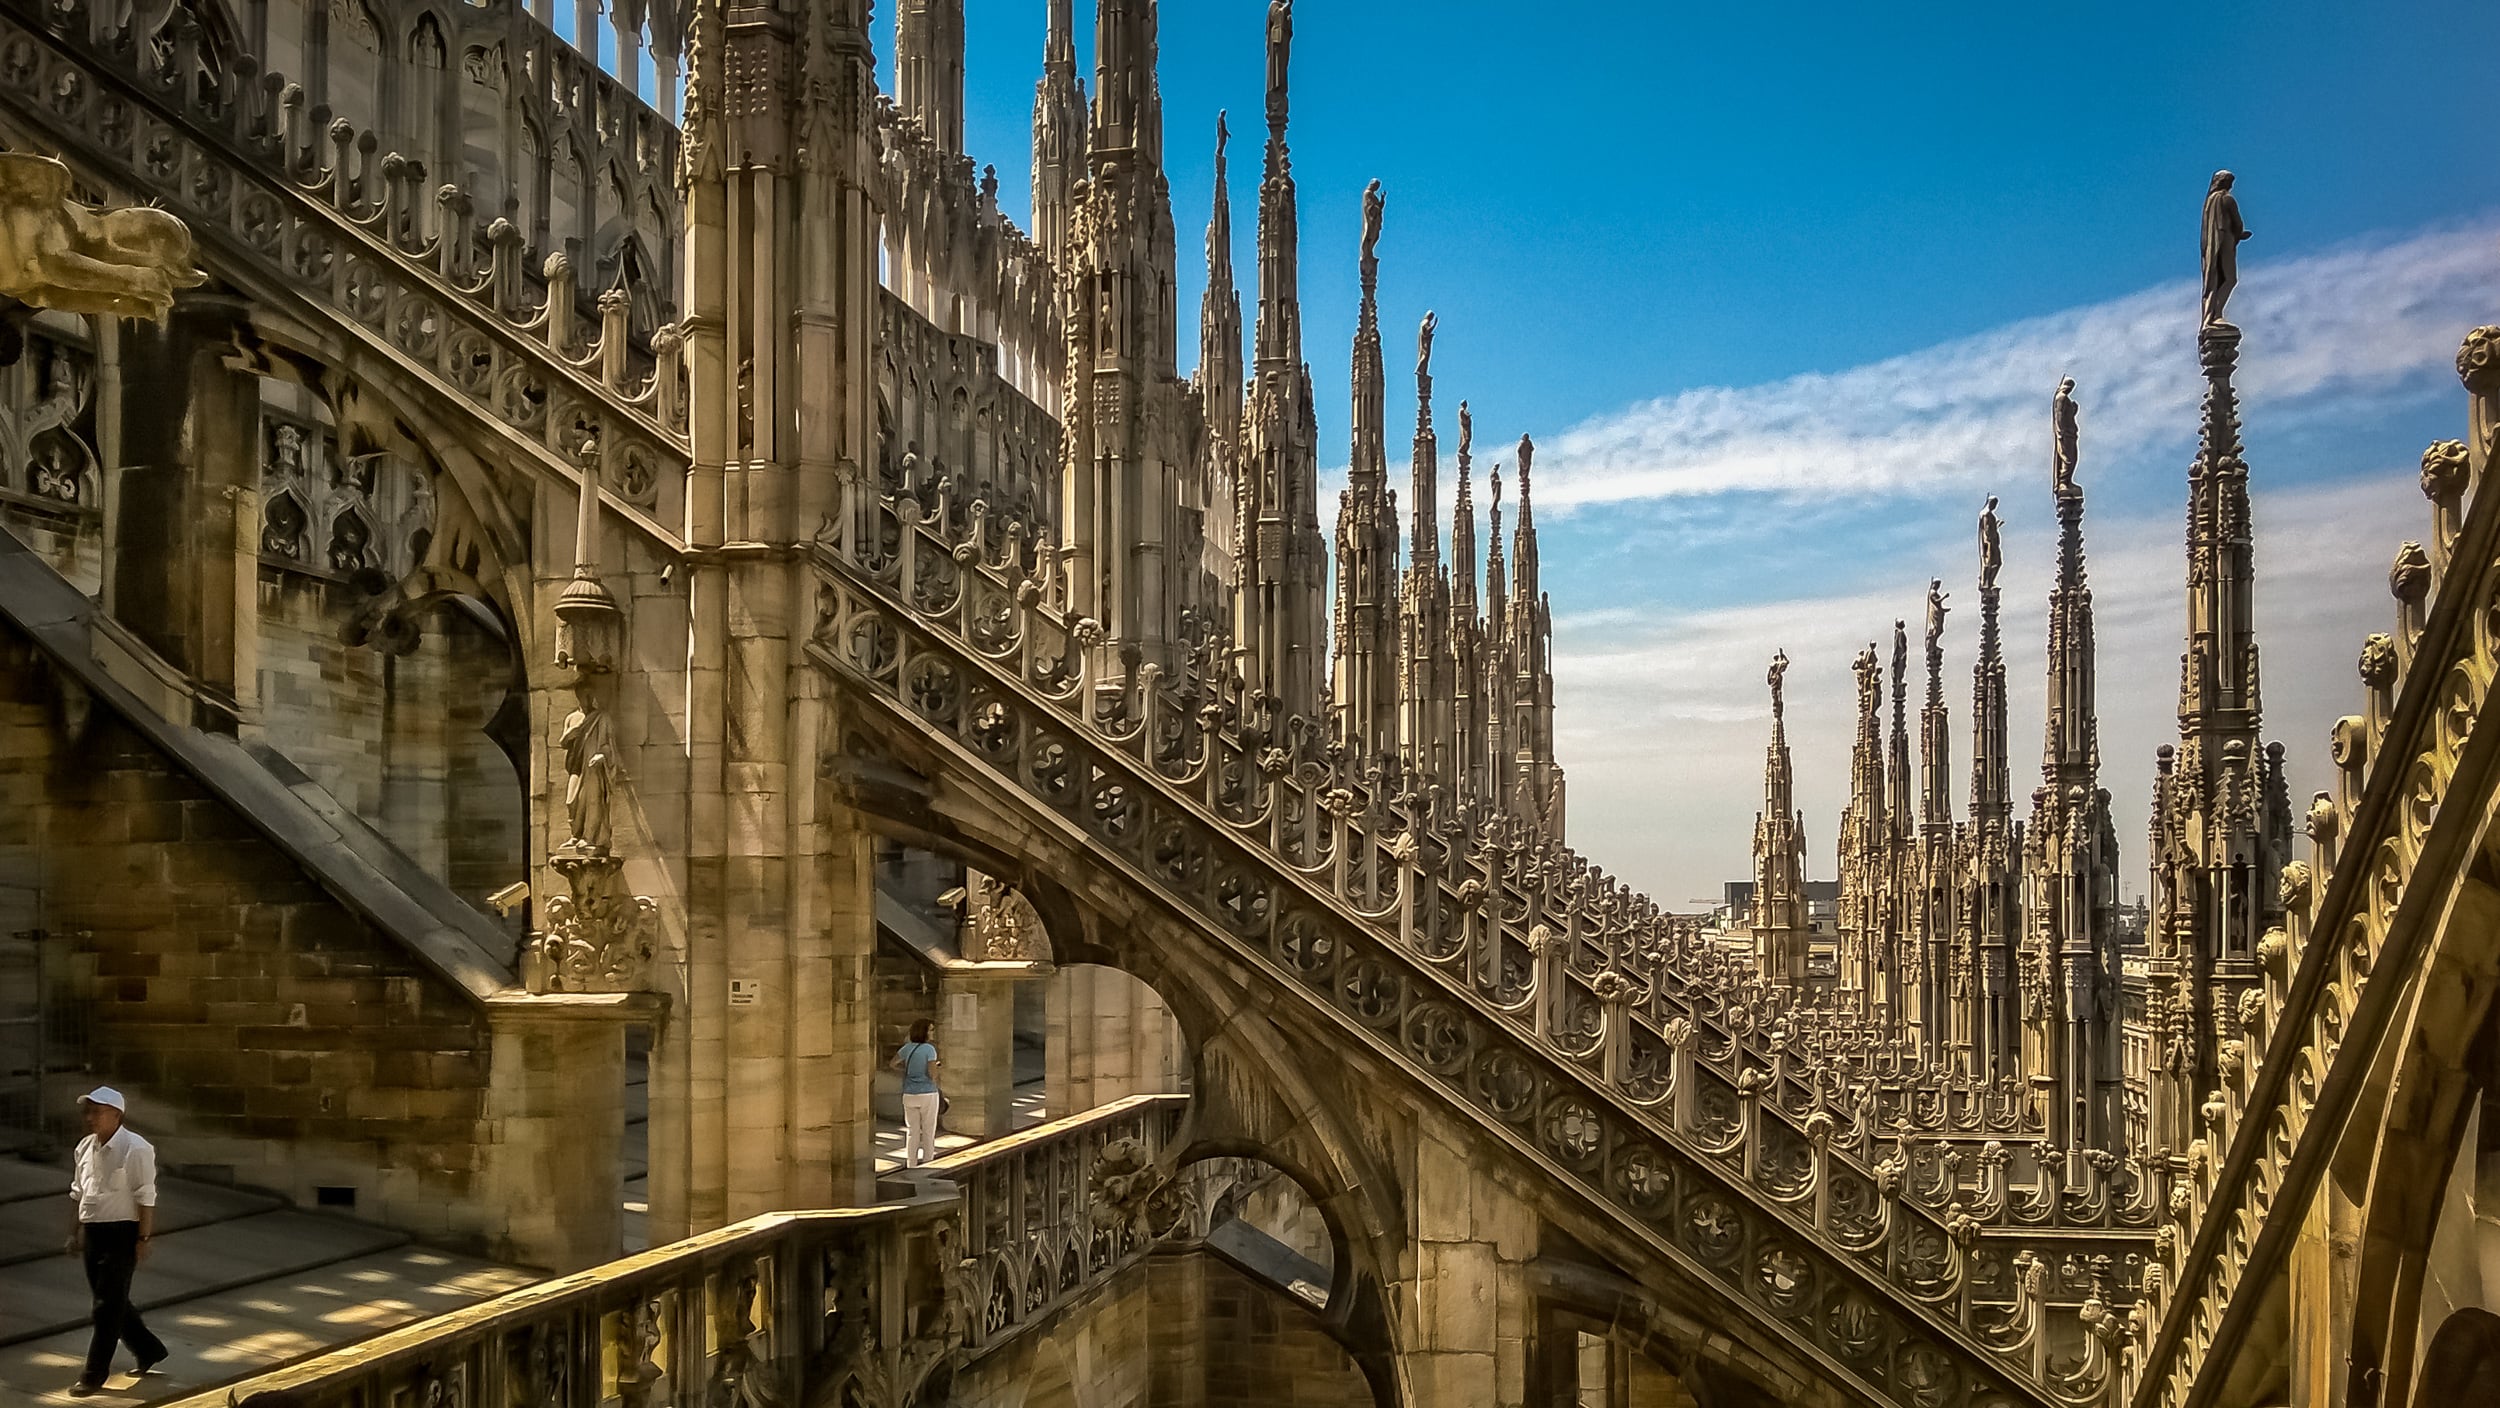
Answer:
(56, 252)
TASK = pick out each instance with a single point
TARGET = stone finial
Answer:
(2478, 361)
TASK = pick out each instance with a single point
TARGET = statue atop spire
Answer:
(1991, 552)
(2064, 437)
(2223, 233)
(1373, 205)
(1423, 352)
(1279, 59)
(1779, 689)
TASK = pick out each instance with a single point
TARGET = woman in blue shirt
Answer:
(918, 1061)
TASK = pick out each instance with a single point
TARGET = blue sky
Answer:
(1783, 291)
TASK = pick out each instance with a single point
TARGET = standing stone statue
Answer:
(1466, 429)
(1935, 614)
(1373, 205)
(1779, 673)
(2066, 439)
(2223, 233)
(589, 768)
(1991, 554)
(1423, 345)
(1279, 57)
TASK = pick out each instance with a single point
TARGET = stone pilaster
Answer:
(977, 1036)
(760, 1093)
(1464, 1309)
(556, 1101)
(186, 516)
(1108, 1037)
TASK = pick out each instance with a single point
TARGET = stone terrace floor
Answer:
(238, 1283)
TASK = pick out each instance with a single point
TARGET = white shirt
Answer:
(113, 1178)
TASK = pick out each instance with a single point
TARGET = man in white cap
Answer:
(113, 1182)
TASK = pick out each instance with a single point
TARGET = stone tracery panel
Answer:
(364, 517)
(48, 418)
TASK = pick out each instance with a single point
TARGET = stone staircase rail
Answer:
(1903, 1273)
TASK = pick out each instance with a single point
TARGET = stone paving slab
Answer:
(35, 1227)
(21, 1178)
(39, 1298)
(219, 1338)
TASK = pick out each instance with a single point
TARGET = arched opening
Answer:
(1593, 1363)
(2457, 1336)
(1240, 1303)
(2461, 1362)
(1020, 1038)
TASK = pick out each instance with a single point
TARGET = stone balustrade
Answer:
(797, 1307)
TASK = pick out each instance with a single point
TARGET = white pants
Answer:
(920, 1114)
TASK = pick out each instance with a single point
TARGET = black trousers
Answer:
(112, 1254)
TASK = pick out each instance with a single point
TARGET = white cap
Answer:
(103, 1095)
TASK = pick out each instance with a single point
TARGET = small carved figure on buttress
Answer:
(590, 767)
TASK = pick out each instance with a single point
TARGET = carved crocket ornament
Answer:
(57, 252)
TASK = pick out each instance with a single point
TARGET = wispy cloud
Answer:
(1664, 716)
(2355, 321)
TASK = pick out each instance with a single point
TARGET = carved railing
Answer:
(1053, 1212)
(2357, 926)
(790, 1308)
(318, 212)
(783, 1308)
(1502, 977)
